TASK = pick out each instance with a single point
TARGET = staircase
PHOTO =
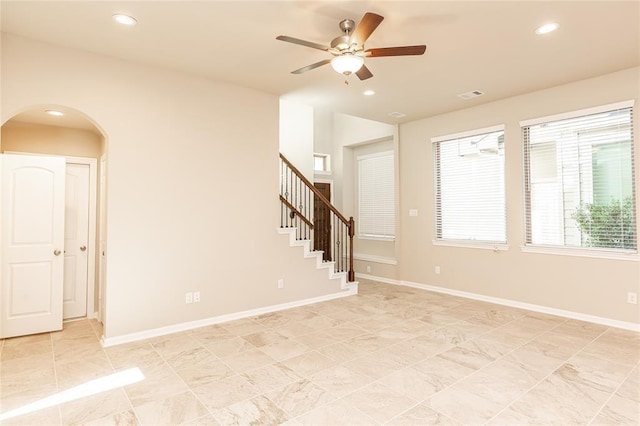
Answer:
(313, 223)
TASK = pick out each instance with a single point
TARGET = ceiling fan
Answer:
(348, 49)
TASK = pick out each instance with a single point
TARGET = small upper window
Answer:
(321, 163)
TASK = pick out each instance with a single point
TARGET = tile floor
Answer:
(390, 355)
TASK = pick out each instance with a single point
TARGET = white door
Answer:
(32, 234)
(76, 239)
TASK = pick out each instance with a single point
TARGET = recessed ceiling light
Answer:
(54, 112)
(547, 28)
(124, 19)
(471, 94)
(397, 114)
(368, 93)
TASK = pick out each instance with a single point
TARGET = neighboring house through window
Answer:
(579, 185)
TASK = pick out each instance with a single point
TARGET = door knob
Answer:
(83, 248)
(56, 252)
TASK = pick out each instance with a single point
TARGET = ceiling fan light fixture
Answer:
(347, 63)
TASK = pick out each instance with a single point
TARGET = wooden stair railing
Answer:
(298, 198)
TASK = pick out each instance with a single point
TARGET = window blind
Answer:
(579, 180)
(469, 187)
(376, 195)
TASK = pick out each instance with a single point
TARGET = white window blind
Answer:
(376, 196)
(579, 180)
(469, 186)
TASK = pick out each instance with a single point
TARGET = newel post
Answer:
(352, 228)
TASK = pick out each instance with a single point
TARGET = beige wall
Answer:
(592, 286)
(52, 140)
(192, 185)
(296, 135)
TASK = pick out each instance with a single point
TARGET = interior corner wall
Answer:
(296, 135)
(350, 132)
(192, 169)
(322, 127)
(590, 286)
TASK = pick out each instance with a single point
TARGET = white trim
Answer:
(578, 113)
(376, 237)
(322, 172)
(486, 245)
(528, 306)
(468, 133)
(379, 279)
(375, 155)
(375, 259)
(582, 252)
(161, 331)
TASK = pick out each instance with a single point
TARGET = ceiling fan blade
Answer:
(302, 42)
(396, 51)
(311, 67)
(366, 26)
(364, 73)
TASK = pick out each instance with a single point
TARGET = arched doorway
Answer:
(67, 135)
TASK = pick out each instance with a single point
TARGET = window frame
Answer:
(370, 236)
(326, 163)
(579, 251)
(467, 243)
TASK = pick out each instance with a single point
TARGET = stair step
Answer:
(320, 264)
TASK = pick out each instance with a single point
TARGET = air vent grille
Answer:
(471, 94)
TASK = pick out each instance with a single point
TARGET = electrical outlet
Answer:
(437, 270)
(632, 298)
(368, 268)
(188, 298)
(281, 283)
(196, 297)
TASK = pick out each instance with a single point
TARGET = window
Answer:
(376, 196)
(321, 164)
(579, 185)
(469, 187)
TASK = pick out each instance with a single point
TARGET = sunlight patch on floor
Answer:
(103, 384)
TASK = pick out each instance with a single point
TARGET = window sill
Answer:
(375, 259)
(375, 238)
(322, 172)
(582, 252)
(485, 245)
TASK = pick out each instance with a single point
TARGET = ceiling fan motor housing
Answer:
(340, 43)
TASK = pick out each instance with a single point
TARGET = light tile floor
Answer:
(390, 355)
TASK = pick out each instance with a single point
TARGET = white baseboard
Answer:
(375, 259)
(511, 303)
(379, 279)
(176, 328)
(528, 306)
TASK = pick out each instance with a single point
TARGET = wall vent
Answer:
(469, 95)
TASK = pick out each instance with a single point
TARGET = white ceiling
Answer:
(471, 45)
